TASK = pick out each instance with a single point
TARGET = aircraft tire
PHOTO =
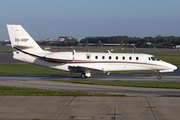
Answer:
(83, 76)
(159, 77)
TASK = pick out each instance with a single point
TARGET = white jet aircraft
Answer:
(27, 50)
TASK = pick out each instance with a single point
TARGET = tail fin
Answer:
(20, 39)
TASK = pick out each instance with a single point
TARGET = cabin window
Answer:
(110, 57)
(103, 57)
(149, 58)
(96, 57)
(130, 58)
(137, 58)
(88, 56)
(123, 58)
(116, 57)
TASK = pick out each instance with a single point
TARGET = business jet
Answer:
(27, 50)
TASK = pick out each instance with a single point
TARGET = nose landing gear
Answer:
(159, 76)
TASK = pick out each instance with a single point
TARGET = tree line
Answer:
(124, 41)
(158, 41)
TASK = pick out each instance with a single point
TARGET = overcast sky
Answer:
(81, 18)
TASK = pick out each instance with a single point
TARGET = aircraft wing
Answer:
(84, 69)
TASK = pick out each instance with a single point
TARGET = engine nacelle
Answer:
(59, 57)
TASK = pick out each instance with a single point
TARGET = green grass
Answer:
(5, 48)
(171, 57)
(7, 90)
(149, 84)
(27, 69)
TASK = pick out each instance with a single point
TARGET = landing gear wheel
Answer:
(159, 77)
(83, 76)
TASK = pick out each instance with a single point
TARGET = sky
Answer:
(44, 19)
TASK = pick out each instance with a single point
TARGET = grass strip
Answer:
(27, 69)
(149, 84)
(167, 56)
(23, 91)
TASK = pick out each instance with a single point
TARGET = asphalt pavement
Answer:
(88, 108)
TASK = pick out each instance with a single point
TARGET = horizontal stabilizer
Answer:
(22, 46)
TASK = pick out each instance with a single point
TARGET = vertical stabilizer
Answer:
(21, 40)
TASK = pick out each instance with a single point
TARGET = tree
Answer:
(85, 43)
(121, 43)
(76, 43)
(99, 43)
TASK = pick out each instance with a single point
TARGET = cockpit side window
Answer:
(155, 59)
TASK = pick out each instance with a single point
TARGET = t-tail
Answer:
(22, 43)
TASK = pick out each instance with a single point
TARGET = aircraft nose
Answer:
(168, 67)
(174, 67)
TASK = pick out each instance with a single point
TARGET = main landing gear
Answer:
(159, 76)
(85, 75)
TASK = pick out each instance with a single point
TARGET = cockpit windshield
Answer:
(155, 59)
